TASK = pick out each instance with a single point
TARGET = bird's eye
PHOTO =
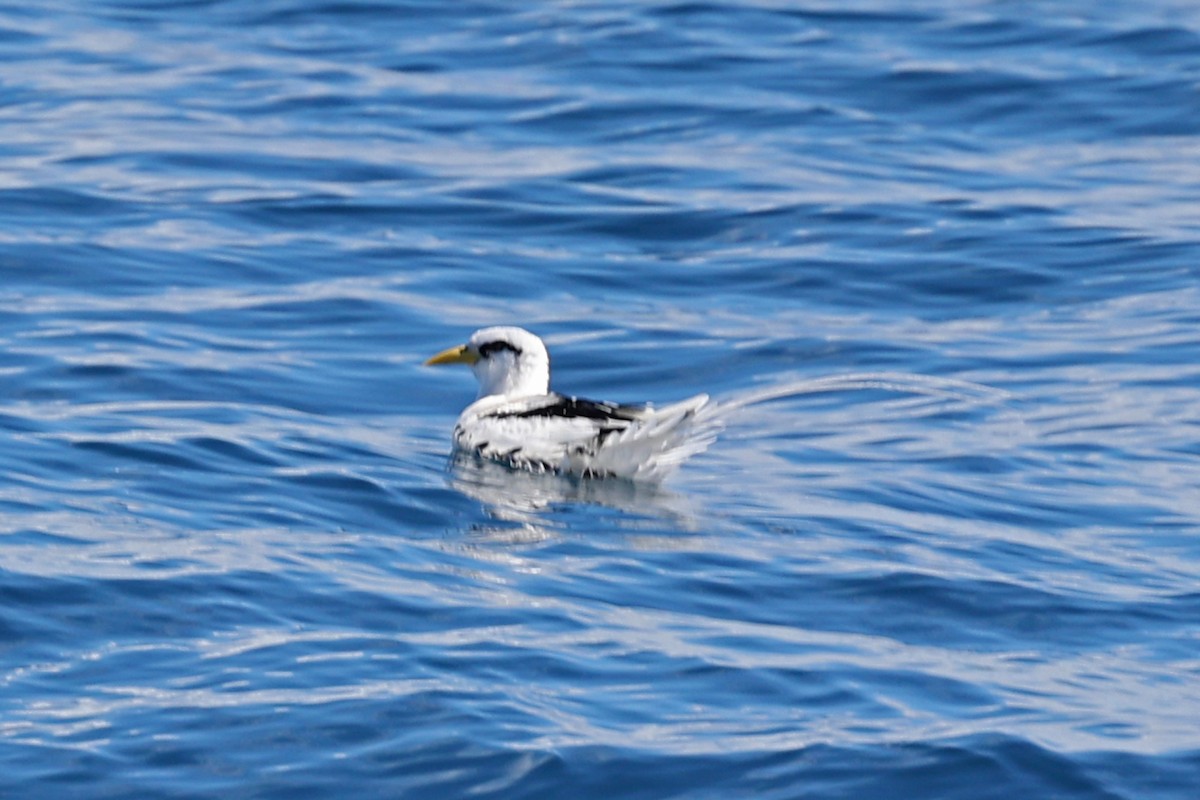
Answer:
(490, 348)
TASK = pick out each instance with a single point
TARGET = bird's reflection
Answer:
(530, 498)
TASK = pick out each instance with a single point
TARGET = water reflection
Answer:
(532, 499)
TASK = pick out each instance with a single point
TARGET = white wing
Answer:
(650, 447)
(584, 437)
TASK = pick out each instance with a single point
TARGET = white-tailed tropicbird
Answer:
(518, 421)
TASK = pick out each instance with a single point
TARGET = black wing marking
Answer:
(610, 418)
(572, 407)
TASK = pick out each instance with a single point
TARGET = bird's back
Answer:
(583, 437)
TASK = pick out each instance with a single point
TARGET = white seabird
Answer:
(518, 421)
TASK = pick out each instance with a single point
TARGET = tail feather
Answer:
(655, 444)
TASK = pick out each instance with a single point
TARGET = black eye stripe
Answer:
(489, 348)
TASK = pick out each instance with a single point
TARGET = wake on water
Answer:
(513, 491)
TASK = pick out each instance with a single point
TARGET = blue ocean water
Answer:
(955, 556)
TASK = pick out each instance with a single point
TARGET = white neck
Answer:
(510, 375)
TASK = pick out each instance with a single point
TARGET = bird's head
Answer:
(510, 362)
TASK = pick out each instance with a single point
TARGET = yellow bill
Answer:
(454, 355)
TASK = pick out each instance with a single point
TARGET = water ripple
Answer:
(939, 264)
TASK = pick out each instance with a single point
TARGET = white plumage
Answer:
(518, 421)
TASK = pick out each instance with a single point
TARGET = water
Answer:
(237, 562)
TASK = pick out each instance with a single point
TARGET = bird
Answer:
(518, 421)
